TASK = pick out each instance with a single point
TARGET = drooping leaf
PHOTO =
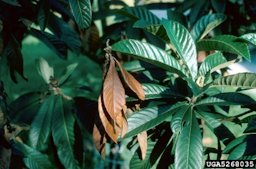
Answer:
(211, 62)
(247, 80)
(82, 12)
(206, 24)
(149, 53)
(183, 44)
(249, 37)
(41, 126)
(142, 139)
(53, 42)
(148, 118)
(133, 84)
(70, 69)
(113, 91)
(226, 43)
(108, 123)
(33, 158)
(153, 91)
(142, 13)
(179, 118)
(45, 70)
(63, 132)
(99, 138)
(189, 147)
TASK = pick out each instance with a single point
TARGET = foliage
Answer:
(138, 94)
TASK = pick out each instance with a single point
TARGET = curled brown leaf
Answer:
(142, 139)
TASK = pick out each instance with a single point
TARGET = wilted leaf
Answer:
(133, 84)
(99, 138)
(109, 124)
(142, 139)
(113, 91)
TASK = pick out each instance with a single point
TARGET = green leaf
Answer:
(70, 69)
(82, 12)
(211, 62)
(153, 91)
(155, 29)
(225, 99)
(226, 43)
(247, 80)
(137, 163)
(206, 24)
(65, 33)
(137, 65)
(43, 14)
(189, 147)
(149, 53)
(177, 16)
(211, 119)
(178, 118)
(142, 13)
(234, 144)
(32, 158)
(249, 37)
(219, 5)
(12, 2)
(63, 132)
(53, 42)
(41, 126)
(183, 44)
(148, 118)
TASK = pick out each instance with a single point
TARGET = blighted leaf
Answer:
(113, 91)
(45, 70)
(142, 139)
(109, 124)
(133, 84)
(99, 138)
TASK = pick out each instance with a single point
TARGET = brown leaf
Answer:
(113, 91)
(125, 126)
(133, 84)
(109, 124)
(142, 139)
(99, 139)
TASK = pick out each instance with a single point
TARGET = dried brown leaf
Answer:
(99, 139)
(109, 125)
(132, 83)
(142, 139)
(125, 126)
(113, 91)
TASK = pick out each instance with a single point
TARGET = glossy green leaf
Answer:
(53, 42)
(183, 44)
(41, 126)
(153, 91)
(206, 24)
(32, 158)
(82, 12)
(234, 143)
(226, 43)
(155, 29)
(137, 163)
(249, 37)
(189, 147)
(178, 118)
(63, 132)
(211, 62)
(69, 70)
(211, 119)
(149, 53)
(137, 65)
(148, 118)
(247, 80)
(140, 13)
